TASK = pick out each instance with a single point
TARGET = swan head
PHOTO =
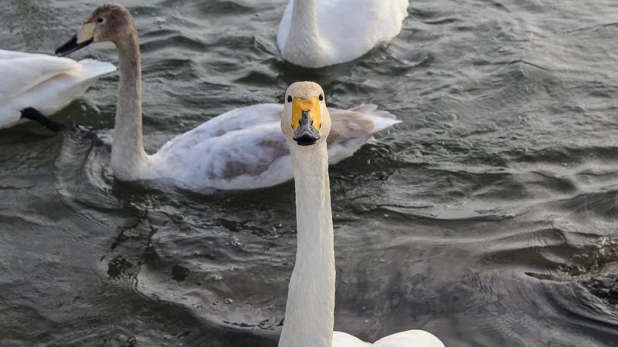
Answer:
(305, 120)
(110, 22)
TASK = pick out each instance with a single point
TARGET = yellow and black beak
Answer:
(306, 121)
(83, 38)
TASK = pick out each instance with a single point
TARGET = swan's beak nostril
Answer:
(306, 134)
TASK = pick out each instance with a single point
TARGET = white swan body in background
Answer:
(318, 33)
(310, 308)
(240, 149)
(46, 83)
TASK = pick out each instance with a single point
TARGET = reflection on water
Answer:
(488, 217)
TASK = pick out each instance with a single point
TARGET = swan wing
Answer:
(350, 28)
(22, 71)
(58, 91)
(416, 338)
(234, 120)
(44, 82)
(352, 128)
(253, 157)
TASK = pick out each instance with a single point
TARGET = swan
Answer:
(318, 33)
(309, 314)
(240, 149)
(39, 83)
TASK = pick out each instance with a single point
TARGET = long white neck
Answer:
(304, 45)
(310, 309)
(128, 155)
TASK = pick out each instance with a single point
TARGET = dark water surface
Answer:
(481, 218)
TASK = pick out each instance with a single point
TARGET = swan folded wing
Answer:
(234, 120)
(244, 159)
(23, 73)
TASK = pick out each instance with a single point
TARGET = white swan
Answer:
(309, 315)
(42, 82)
(318, 33)
(240, 149)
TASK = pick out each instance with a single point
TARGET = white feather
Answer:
(410, 338)
(346, 29)
(47, 83)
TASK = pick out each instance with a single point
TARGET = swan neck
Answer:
(128, 155)
(309, 317)
(304, 45)
(305, 13)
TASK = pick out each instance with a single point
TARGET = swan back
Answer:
(341, 339)
(416, 338)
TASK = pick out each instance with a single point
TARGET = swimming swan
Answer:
(42, 82)
(240, 149)
(309, 314)
(318, 33)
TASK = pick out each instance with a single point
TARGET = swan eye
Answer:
(289, 98)
(321, 97)
(100, 20)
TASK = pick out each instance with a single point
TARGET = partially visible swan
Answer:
(240, 149)
(318, 33)
(42, 82)
(309, 316)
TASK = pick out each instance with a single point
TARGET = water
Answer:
(485, 217)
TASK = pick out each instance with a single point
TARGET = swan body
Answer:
(244, 148)
(43, 82)
(309, 318)
(318, 33)
(240, 149)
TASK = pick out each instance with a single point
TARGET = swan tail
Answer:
(352, 128)
(359, 123)
(381, 119)
(380, 123)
